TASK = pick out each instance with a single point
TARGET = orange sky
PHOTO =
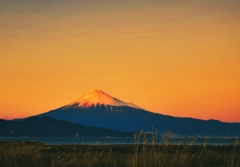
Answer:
(179, 58)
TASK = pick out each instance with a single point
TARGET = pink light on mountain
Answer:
(98, 97)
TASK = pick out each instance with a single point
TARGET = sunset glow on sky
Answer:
(179, 58)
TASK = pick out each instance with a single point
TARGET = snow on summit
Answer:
(96, 97)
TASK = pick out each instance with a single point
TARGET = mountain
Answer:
(50, 127)
(99, 109)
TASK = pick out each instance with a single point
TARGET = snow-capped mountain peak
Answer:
(98, 97)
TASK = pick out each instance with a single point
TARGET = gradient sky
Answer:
(179, 58)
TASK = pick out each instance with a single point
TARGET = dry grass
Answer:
(147, 154)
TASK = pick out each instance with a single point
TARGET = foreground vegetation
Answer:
(34, 154)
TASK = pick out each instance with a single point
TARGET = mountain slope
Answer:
(99, 109)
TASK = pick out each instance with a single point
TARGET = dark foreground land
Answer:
(36, 154)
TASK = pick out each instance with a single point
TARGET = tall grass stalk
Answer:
(234, 151)
(74, 155)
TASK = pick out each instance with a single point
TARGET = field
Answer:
(37, 154)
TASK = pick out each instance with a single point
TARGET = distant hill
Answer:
(50, 127)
